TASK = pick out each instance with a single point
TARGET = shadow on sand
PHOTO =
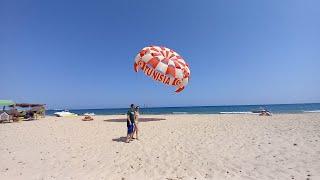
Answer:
(122, 120)
(140, 120)
(120, 139)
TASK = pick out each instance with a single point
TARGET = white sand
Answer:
(180, 147)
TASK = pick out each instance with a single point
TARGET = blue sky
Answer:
(79, 54)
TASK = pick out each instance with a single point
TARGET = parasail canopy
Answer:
(164, 65)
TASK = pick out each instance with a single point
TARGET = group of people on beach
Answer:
(132, 123)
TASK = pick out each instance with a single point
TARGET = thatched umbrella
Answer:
(34, 108)
(25, 105)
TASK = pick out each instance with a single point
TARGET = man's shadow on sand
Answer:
(122, 120)
(120, 139)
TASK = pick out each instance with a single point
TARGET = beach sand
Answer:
(284, 146)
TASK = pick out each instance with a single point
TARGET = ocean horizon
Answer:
(222, 109)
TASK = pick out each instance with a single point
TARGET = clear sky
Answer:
(79, 54)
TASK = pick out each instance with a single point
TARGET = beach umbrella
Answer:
(164, 65)
(6, 103)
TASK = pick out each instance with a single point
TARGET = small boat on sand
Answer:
(65, 114)
(87, 118)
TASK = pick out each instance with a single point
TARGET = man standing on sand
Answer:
(136, 121)
(130, 123)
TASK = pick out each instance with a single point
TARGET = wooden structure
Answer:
(12, 114)
(35, 109)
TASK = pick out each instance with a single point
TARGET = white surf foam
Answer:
(315, 111)
(179, 112)
(237, 112)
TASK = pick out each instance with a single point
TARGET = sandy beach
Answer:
(284, 146)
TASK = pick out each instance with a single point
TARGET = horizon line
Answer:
(188, 106)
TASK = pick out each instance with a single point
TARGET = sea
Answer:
(230, 109)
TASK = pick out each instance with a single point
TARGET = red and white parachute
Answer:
(164, 65)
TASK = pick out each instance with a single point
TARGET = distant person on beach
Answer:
(136, 120)
(130, 123)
